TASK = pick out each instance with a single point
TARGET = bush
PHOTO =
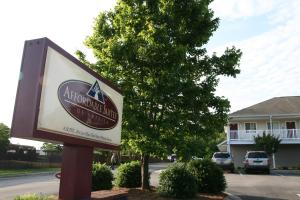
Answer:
(210, 178)
(176, 181)
(129, 175)
(102, 177)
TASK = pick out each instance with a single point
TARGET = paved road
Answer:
(39, 184)
(48, 184)
(277, 186)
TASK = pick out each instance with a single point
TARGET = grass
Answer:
(35, 197)
(133, 194)
(16, 172)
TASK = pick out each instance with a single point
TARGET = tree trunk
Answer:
(145, 172)
(274, 164)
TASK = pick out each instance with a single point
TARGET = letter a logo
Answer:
(96, 93)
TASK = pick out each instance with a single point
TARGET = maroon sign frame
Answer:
(25, 117)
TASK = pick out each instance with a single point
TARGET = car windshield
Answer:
(257, 155)
(221, 155)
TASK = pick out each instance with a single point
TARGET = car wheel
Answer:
(268, 171)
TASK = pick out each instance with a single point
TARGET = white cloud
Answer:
(270, 63)
(236, 9)
(285, 10)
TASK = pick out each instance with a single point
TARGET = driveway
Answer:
(279, 185)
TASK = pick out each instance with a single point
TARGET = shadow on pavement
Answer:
(246, 197)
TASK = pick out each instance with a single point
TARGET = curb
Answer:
(287, 172)
(231, 197)
(24, 175)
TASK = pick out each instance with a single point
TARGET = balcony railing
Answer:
(284, 134)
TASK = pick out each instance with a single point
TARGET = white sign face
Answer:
(75, 103)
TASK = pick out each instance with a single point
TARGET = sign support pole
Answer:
(76, 173)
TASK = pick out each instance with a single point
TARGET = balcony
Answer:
(287, 136)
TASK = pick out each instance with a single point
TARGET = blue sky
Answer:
(239, 30)
(267, 32)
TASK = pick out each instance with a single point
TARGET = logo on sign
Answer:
(96, 93)
(88, 104)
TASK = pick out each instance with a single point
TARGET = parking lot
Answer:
(279, 185)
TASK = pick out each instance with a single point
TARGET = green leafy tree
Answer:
(267, 142)
(199, 146)
(50, 147)
(154, 51)
(4, 139)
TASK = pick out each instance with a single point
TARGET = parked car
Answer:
(172, 157)
(223, 160)
(258, 161)
(196, 158)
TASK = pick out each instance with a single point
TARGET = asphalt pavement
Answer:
(39, 184)
(279, 185)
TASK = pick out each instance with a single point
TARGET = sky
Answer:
(267, 32)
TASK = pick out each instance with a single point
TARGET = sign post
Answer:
(76, 173)
(60, 99)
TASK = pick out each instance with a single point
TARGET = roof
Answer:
(18, 146)
(275, 106)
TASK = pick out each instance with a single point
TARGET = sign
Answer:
(88, 104)
(60, 99)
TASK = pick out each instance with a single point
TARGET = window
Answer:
(291, 132)
(257, 155)
(221, 155)
(250, 127)
(233, 131)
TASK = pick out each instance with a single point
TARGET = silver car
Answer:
(223, 160)
(258, 161)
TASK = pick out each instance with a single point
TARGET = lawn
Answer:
(132, 194)
(16, 172)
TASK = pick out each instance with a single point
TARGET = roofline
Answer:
(264, 115)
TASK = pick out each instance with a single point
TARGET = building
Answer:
(279, 116)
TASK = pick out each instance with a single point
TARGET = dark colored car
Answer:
(257, 161)
(172, 157)
(223, 160)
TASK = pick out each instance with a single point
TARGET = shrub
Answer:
(210, 178)
(176, 181)
(129, 175)
(102, 177)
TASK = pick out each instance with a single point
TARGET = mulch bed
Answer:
(137, 194)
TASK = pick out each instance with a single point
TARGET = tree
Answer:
(4, 139)
(196, 145)
(154, 51)
(268, 143)
(50, 147)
